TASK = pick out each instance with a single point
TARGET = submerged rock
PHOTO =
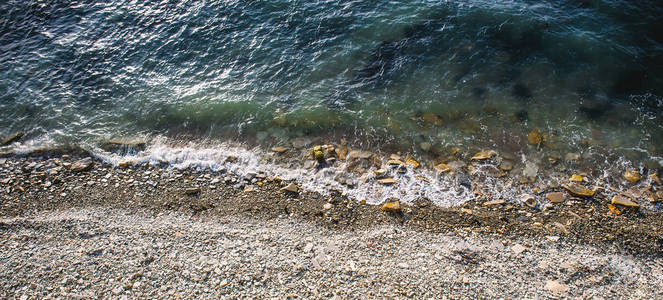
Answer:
(483, 155)
(506, 165)
(572, 156)
(579, 190)
(123, 146)
(556, 197)
(534, 137)
(425, 146)
(528, 200)
(279, 149)
(624, 201)
(530, 170)
(432, 119)
(318, 154)
(12, 138)
(192, 191)
(494, 202)
(632, 176)
(442, 168)
(412, 162)
(341, 152)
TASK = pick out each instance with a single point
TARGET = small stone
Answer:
(576, 178)
(442, 168)
(572, 156)
(483, 155)
(579, 190)
(506, 165)
(552, 238)
(380, 172)
(308, 248)
(327, 206)
(433, 119)
(249, 188)
(632, 176)
(425, 146)
(624, 201)
(403, 265)
(359, 154)
(82, 165)
(556, 197)
(556, 287)
(387, 181)
(192, 190)
(466, 210)
(494, 202)
(534, 137)
(391, 206)
(292, 187)
(412, 162)
(123, 165)
(518, 249)
(614, 209)
(530, 170)
(279, 149)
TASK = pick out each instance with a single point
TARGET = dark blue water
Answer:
(587, 74)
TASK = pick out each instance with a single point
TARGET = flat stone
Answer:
(556, 287)
(624, 201)
(432, 119)
(518, 248)
(442, 168)
(380, 172)
(391, 206)
(387, 181)
(292, 187)
(483, 155)
(82, 165)
(576, 178)
(359, 154)
(341, 152)
(534, 137)
(279, 149)
(556, 197)
(192, 191)
(12, 138)
(494, 202)
(632, 176)
(572, 156)
(412, 162)
(579, 190)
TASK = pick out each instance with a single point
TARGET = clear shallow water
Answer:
(587, 74)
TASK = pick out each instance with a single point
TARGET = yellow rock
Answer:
(632, 176)
(614, 209)
(535, 137)
(387, 181)
(623, 200)
(431, 118)
(442, 168)
(392, 206)
(412, 162)
(380, 172)
(576, 178)
(395, 162)
(279, 149)
(318, 155)
(579, 190)
(483, 155)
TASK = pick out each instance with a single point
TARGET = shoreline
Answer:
(46, 182)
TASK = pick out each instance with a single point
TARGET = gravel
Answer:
(101, 252)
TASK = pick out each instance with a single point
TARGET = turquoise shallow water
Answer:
(474, 74)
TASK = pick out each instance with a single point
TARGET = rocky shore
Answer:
(141, 231)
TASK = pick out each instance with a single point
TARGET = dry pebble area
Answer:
(116, 253)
